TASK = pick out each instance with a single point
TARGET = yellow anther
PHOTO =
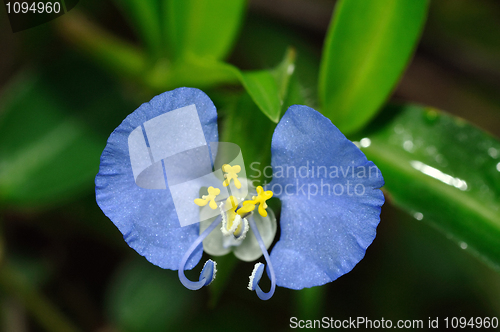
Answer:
(212, 193)
(246, 208)
(231, 173)
(261, 198)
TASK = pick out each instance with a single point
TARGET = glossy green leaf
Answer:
(269, 88)
(443, 170)
(204, 28)
(367, 47)
(145, 18)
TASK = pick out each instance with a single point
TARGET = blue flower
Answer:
(150, 187)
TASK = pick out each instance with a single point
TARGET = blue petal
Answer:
(324, 234)
(147, 217)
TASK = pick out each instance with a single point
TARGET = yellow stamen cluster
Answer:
(233, 218)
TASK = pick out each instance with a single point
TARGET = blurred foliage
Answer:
(142, 298)
(39, 139)
(63, 265)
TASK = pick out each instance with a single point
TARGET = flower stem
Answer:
(111, 51)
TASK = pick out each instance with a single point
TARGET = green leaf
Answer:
(442, 170)
(259, 34)
(262, 87)
(283, 72)
(367, 47)
(269, 88)
(145, 19)
(202, 28)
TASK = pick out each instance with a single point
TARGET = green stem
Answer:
(310, 302)
(109, 50)
(226, 269)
